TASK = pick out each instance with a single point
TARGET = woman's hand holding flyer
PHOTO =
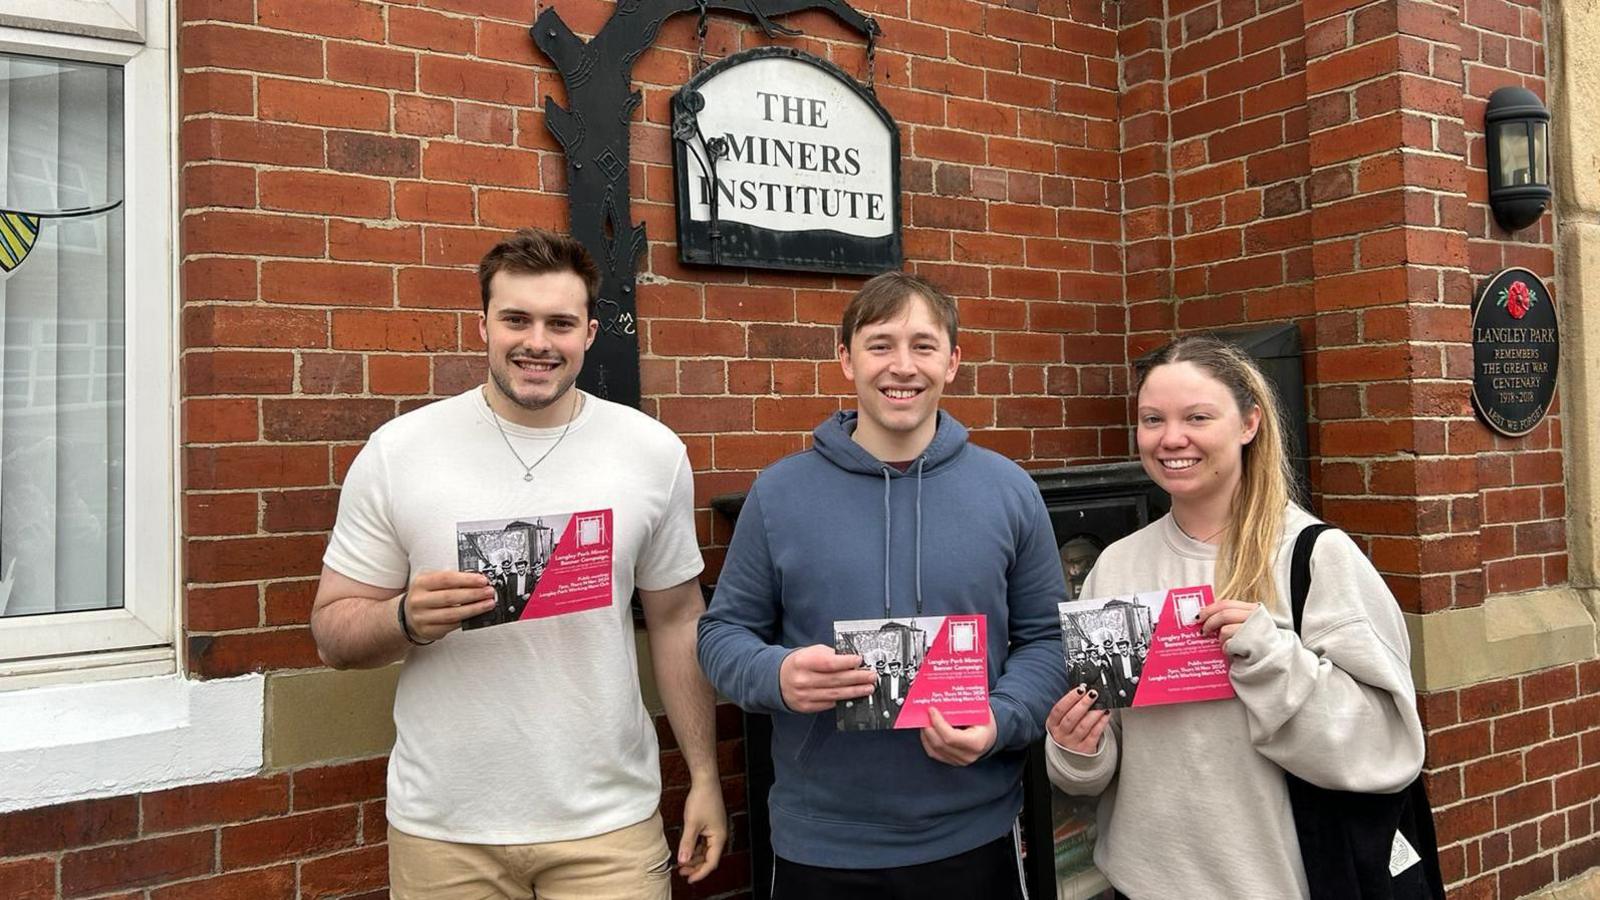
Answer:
(1224, 618)
(1075, 724)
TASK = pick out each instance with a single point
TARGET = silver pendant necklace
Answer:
(527, 470)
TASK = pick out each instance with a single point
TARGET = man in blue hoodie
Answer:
(891, 513)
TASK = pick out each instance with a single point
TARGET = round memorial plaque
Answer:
(1516, 349)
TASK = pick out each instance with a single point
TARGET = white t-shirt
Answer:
(534, 730)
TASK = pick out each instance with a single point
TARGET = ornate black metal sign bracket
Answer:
(593, 132)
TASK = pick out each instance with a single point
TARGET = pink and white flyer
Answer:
(922, 663)
(539, 565)
(1144, 649)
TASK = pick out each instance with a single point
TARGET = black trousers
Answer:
(989, 872)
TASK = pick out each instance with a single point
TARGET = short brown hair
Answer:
(535, 251)
(886, 295)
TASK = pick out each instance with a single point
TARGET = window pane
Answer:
(1513, 138)
(1540, 157)
(61, 314)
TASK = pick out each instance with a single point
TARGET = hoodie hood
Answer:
(833, 442)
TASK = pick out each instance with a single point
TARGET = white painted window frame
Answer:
(121, 20)
(137, 639)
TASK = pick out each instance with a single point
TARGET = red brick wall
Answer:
(1219, 89)
(1403, 237)
(345, 163)
(1524, 509)
(1528, 813)
(1515, 780)
(308, 833)
(1085, 177)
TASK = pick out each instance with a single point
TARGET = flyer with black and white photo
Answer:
(922, 663)
(539, 566)
(1144, 649)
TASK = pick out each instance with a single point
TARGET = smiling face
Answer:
(899, 366)
(1191, 435)
(537, 329)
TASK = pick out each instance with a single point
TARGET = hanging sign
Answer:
(1516, 349)
(784, 161)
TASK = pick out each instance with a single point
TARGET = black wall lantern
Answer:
(1517, 127)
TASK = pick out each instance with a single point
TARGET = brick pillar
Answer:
(1449, 512)
(1391, 298)
(1392, 364)
(1148, 215)
(1236, 95)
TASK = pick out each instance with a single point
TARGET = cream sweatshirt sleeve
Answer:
(1339, 709)
(1082, 774)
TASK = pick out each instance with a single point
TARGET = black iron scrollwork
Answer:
(686, 107)
(598, 75)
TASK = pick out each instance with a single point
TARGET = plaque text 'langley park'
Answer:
(1516, 351)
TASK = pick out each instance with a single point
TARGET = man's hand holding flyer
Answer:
(922, 663)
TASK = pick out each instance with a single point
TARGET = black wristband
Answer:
(405, 627)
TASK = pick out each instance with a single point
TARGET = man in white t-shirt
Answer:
(524, 761)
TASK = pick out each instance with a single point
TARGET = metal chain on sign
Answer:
(872, 54)
(700, 36)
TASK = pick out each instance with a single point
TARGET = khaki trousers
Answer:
(632, 863)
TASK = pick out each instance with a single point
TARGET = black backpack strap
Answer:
(1300, 569)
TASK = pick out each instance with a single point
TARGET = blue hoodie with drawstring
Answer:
(833, 533)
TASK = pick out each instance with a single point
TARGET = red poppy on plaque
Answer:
(1517, 297)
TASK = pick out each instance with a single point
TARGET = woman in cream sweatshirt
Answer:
(1193, 800)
